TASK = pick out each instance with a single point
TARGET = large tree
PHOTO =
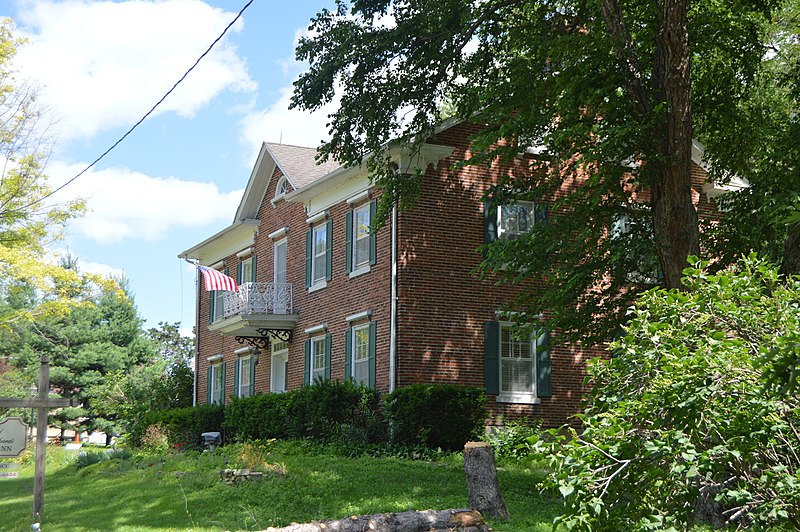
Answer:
(609, 87)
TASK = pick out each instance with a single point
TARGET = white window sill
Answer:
(319, 285)
(359, 271)
(520, 398)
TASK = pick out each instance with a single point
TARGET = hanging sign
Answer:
(13, 438)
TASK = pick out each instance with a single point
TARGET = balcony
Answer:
(257, 310)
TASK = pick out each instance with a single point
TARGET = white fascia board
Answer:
(229, 241)
(712, 189)
(344, 183)
(257, 185)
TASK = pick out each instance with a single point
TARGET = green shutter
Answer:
(211, 299)
(222, 394)
(489, 222)
(239, 270)
(236, 369)
(307, 369)
(373, 234)
(348, 354)
(329, 250)
(491, 352)
(348, 242)
(328, 357)
(373, 337)
(543, 385)
(540, 213)
(253, 279)
(252, 373)
(309, 254)
(208, 386)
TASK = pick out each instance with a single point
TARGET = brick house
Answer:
(320, 297)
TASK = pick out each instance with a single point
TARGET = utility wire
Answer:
(148, 113)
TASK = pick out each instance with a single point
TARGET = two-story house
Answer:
(321, 297)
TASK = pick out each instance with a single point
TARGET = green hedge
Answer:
(442, 416)
(184, 425)
(430, 415)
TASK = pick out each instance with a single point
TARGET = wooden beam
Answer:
(35, 402)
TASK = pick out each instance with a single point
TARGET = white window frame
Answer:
(317, 369)
(362, 266)
(319, 231)
(281, 188)
(217, 388)
(513, 233)
(243, 388)
(354, 353)
(279, 354)
(510, 396)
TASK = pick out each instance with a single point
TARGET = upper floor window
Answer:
(216, 304)
(360, 245)
(318, 254)
(246, 271)
(282, 188)
(512, 219)
(635, 258)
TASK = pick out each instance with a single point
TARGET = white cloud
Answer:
(278, 123)
(124, 204)
(104, 64)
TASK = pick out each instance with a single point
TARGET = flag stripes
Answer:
(215, 280)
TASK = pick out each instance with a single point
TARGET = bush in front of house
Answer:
(184, 425)
(442, 416)
(260, 417)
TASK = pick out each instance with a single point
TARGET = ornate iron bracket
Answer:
(263, 342)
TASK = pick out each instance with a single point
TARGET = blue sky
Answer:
(178, 178)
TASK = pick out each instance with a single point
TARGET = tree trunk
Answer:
(675, 226)
(482, 486)
(791, 251)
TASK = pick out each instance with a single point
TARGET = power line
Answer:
(148, 113)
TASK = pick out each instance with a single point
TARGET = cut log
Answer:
(483, 489)
(412, 521)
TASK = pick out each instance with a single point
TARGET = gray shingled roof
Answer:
(298, 165)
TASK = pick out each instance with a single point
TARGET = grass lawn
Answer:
(184, 491)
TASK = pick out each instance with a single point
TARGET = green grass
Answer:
(184, 491)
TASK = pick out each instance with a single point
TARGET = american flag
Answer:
(214, 280)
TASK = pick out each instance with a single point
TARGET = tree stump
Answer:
(482, 486)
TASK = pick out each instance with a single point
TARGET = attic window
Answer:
(282, 188)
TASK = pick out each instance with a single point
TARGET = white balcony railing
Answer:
(259, 298)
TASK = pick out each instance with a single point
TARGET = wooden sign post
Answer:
(42, 404)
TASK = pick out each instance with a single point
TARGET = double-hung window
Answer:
(511, 220)
(360, 244)
(517, 366)
(359, 355)
(319, 241)
(279, 367)
(318, 358)
(215, 387)
(633, 249)
(217, 303)
(246, 271)
(244, 376)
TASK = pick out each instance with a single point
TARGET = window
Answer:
(360, 242)
(517, 363)
(318, 254)
(512, 219)
(246, 271)
(244, 377)
(318, 358)
(279, 367)
(216, 303)
(515, 219)
(359, 356)
(215, 389)
(282, 295)
(633, 250)
(282, 188)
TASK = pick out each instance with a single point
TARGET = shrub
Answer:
(87, 458)
(183, 425)
(326, 410)
(442, 416)
(511, 440)
(689, 421)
